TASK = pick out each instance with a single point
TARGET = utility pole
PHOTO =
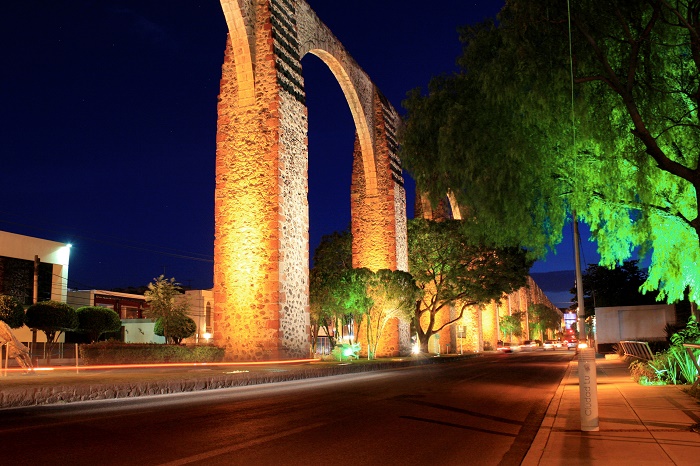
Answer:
(35, 291)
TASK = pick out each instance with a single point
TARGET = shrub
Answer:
(643, 373)
(664, 368)
(686, 366)
(345, 351)
(674, 365)
(11, 311)
(95, 321)
(52, 318)
(113, 352)
(181, 327)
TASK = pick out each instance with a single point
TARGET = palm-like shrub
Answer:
(675, 365)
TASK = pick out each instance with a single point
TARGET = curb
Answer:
(87, 388)
(534, 454)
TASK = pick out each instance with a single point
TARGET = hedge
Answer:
(111, 352)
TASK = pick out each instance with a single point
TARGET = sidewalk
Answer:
(654, 425)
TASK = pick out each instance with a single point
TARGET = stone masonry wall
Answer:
(293, 185)
(247, 227)
(261, 208)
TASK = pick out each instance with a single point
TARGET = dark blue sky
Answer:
(108, 121)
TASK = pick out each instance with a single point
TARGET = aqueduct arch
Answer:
(261, 249)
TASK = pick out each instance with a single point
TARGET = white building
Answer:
(33, 269)
(136, 328)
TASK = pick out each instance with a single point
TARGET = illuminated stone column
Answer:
(261, 211)
(474, 334)
(489, 325)
(378, 219)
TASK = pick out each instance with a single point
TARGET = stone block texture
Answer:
(261, 251)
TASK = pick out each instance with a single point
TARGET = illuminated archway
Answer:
(261, 250)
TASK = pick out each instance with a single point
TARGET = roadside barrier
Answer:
(637, 349)
(689, 349)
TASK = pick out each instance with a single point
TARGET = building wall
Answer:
(134, 330)
(51, 252)
(201, 302)
(482, 322)
(619, 323)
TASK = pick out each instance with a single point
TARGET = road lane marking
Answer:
(241, 446)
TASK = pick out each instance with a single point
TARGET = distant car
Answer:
(571, 344)
(507, 347)
(531, 343)
(551, 344)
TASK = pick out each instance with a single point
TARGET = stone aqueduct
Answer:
(261, 251)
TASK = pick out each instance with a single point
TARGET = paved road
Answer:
(479, 411)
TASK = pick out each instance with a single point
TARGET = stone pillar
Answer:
(261, 212)
(377, 242)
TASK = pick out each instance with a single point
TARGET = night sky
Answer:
(108, 122)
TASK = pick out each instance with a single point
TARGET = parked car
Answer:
(571, 344)
(532, 343)
(507, 347)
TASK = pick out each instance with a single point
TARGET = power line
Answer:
(112, 241)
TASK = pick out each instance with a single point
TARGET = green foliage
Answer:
(675, 365)
(165, 302)
(643, 373)
(342, 296)
(468, 138)
(95, 321)
(181, 327)
(346, 351)
(453, 271)
(332, 258)
(511, 325)
(52, 318)
(543, 318)
(393, 294)
(499, 135)
(619, 286)
(11, 311)
(112, 352)
(664, 367)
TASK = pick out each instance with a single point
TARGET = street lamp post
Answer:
(588, 388)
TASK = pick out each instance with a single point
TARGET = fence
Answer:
(40, 351)
(637, 349)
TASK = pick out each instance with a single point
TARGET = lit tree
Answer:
(332, 258)
(161, 297)
(500, 135)
(511, 326)
(543, 318)
(52, 318)
(452, 271)
(11, 311)
(342, 296)
(350, 300)
(394, 294)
